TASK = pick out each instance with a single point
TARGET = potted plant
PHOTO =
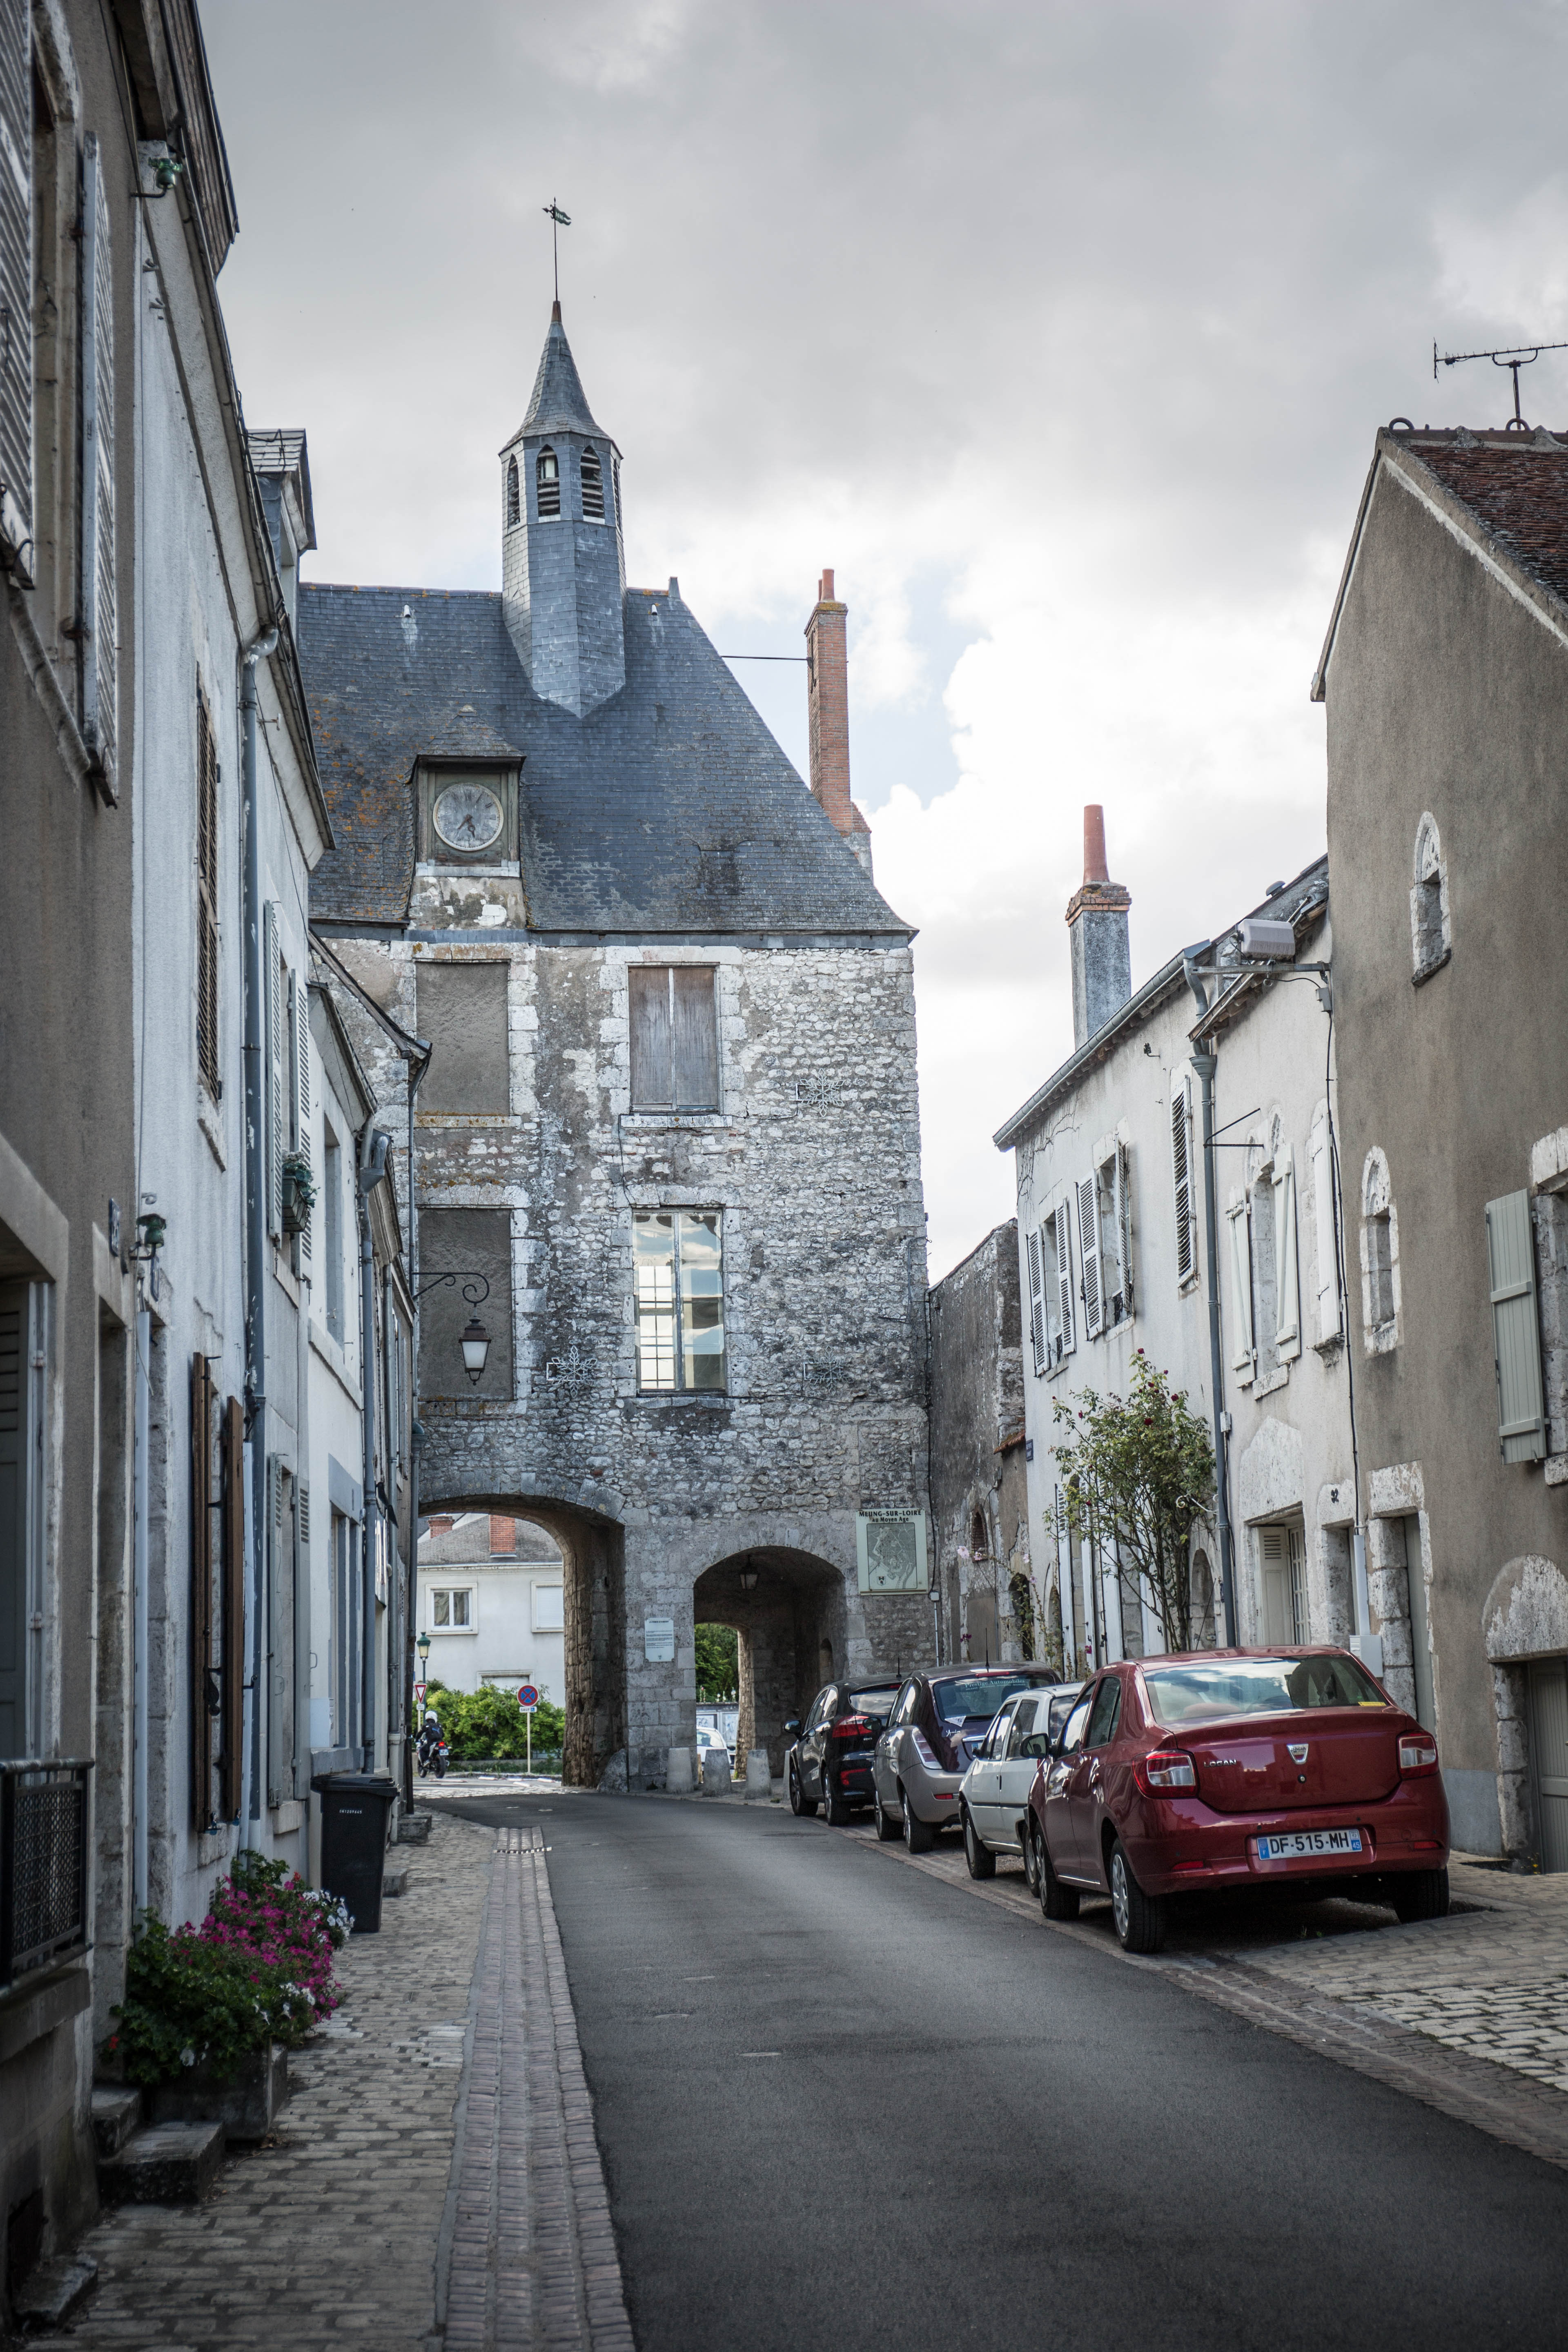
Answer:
(298, 1192)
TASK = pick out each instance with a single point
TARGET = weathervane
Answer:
(558, 221)
(1515, 356)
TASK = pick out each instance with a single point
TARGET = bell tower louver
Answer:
(563, 573)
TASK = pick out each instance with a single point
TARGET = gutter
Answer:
(254, 1208)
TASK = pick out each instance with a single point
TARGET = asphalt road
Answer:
(843, 2105)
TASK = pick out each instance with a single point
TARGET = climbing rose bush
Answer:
(258, 1970)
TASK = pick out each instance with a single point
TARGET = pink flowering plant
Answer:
(258, 1970)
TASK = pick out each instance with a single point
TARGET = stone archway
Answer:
(594, 1577)
(787, 1609)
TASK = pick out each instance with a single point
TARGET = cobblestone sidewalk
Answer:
(433, 2179)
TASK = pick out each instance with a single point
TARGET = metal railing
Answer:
(43, 1866)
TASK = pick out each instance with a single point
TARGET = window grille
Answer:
(43, 1866)
(679, 1296)
(547, 478)
(593, 487)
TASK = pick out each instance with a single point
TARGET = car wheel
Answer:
(887, 1827)
(976, 1853)
(1140, 1918)
(918, 1836)
(1056, 1901)
(835, 1811)
(1031, 1859)
(799, 1802)
(1421, 1894)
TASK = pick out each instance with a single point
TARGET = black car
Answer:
(830, 1763)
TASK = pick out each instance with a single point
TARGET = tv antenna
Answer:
(1516, 356)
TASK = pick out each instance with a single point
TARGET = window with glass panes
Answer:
(680, 1280)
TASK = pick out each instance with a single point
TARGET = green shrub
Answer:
(489, 1723)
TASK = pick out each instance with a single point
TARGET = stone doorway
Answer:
(787, 1609)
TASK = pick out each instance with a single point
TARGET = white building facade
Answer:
(492, 1600)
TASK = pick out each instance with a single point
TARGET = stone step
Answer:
(163, 2164)
(52, 2291)
(394, 1880)
(116, 2112)
(414, 1829)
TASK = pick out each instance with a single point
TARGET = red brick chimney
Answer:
(440, 1523)
(503, 1534)
(827, 697)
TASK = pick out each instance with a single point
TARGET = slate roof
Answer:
(559, 404)
(669, 808)
(1511, 487)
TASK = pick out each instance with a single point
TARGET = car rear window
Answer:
(1257, 1686)
(960, 1701)
(872, 1702)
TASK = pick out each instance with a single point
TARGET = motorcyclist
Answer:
(432, 1749)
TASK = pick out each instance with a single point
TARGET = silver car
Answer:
(939, 1719)
(993, 1800)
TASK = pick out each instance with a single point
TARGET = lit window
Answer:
(593, 487)
(679, 1278)
(547, 476)
(513, 499)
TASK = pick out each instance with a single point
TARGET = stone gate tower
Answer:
(669, 1135)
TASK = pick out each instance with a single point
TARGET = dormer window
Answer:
(513, 497)
(593, 487)
(547, 476)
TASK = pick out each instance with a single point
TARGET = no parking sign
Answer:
(528, 1698)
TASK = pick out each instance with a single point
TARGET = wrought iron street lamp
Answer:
(476, 1289)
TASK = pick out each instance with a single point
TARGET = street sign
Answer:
(419, 1690)
(528, 1698)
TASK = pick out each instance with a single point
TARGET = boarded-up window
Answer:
(675, 1037)
(15, 268)
(474, 1246)
(462, 1011)
(1516, 1328)
(99, 619)
(209, 1058)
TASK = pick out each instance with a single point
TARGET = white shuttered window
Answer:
(1241, 1293)
(1181, 1182)
(15, 283)
(1037, 1301)
(1324, 1221)
(1088, 1257)
(1516, 1328)
(1287, 1283)
(300, 1140)
(100, 621)
(1058, 1265)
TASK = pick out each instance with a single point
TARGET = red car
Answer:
(1238, 1767)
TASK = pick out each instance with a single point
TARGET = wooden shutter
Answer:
(1324, 1220)
(1181, 1177)
(1063, 1278)
(276, 1106)
(99, 618)
(15, 281)
(231, 1644)
(652, 1075)
(1089, 1256)
(694, 1037)
(1241, 1285)
(203, 1681)
(1516, 1328)
(301, 1119)
(209, 1058)
(1274, 1565)
(1122, 1182)
(1037, 1301)
(1286, 1285)
(283, 1538)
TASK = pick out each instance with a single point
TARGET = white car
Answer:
(993, 1799)
(709, 1743)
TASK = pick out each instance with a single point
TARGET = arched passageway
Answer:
(788, 1612)
(594, 1577)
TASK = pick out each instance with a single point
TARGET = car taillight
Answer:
(926, 1753)
(1165, 1768)
(1417, 1754)
(851, 1727)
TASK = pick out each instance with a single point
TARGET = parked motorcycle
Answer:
(432, 1754)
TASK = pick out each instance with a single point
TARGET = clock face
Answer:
(469, 817)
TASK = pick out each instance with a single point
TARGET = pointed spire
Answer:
(559, 404)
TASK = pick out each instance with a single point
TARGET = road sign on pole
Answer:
(419, 1690)
(528, 1698)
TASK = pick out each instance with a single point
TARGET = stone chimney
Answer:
(827, 697)
(1096, 930)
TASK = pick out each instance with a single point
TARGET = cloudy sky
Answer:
(1060, 330)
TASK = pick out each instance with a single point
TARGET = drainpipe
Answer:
(254, 1209)
(139, 1626)
(1204, 1063)
(415, 1440)
(373, 1145)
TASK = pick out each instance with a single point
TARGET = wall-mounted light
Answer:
(748, 1579)
(476, 1347)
